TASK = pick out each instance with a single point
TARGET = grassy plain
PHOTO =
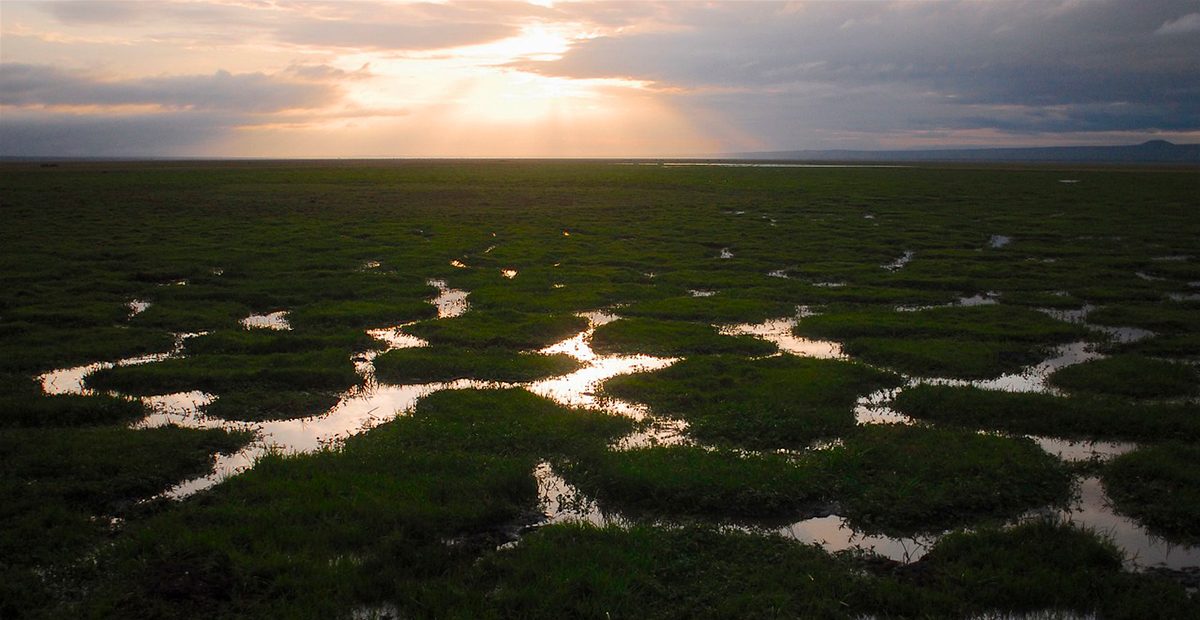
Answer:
(408, 516)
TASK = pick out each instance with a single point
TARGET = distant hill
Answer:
(1154, 151)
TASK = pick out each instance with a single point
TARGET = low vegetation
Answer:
(442, 363)
(1160, 486)
(672, 338)
(1132, 376)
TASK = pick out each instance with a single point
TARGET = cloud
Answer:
(911, 64)
(1187, 23)
(45, 85)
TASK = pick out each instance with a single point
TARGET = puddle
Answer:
(459, 264)
(779, 332)
(701, 293)
(829, 284)
(508, 273)
(1068, 180)
(1142, 549)
(489, 248)
(726, 253)
(833, 533)
(999, 241)
(778, 273)
(984, 299)
(1183, 296)
(450, 302)
(1147, 277)
(1031, 379)
(274, 320)
(1082, 451)
(899, 263)
(876, 408)
(70, 380)
(660, 432)
(372, 264)
(869, 216)
(137, 306)
(1118, 334)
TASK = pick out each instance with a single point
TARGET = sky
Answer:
(506, 78)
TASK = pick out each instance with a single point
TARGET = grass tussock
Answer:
(441, 363)
(1159, 486)
(1074, 417)
(1132, 376)
(672, 338)
(768, 403)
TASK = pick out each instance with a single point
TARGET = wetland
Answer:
(527, 389)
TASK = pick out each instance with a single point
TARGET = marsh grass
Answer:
(1133, 376)
(258, 404)
(768, 403)
(329, 369)
(672, 338)
(690, 480)
(501, 328)
(1074, 417)
(39, 410)
(962, 342)
(353, 522)
(1159, 485)
(61, 486)
(403, 515)
(900, 479)
(442, 363)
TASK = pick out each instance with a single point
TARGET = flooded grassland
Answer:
(548, 389)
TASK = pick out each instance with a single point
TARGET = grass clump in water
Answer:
(265, 341)
(328, 369)
(1075, 417)
(694, 480)
(1160, 487)
(671, 338)
(440, 363)
(940, 357)
(500, 328)
(1033, 567)
(360, 313)
(259, 405)
(40, 410)
(902, 480)
(1132, 376)
(965, 342)
(714, 309)
(768, 403)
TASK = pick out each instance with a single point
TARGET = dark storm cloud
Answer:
(1107, 65)
(96, 135)
(44, 85)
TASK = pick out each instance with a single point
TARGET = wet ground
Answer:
(373, 403)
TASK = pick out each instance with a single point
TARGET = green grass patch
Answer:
(1162, 316)
(68, 410)
(582, 571)
(1075, 417)
(1177, 346)
(441, 363)
(500, 328)
(689, 480)
(774, 402)
(900, 479)
(360, 313)
(940, 357)
(1160, 487)
(672, 338)
(28, 348)
(713, 309)
(1133, 376)
(995, 323)
(191, 315)
(329, 369)
(258, 405)
(267, 341)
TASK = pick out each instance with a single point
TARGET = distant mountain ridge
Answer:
(1153, 151)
